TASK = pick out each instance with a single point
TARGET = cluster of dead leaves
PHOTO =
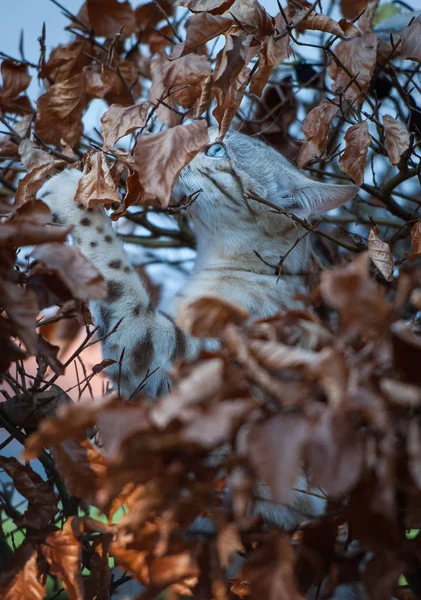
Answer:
(336, 389)
(186, 84)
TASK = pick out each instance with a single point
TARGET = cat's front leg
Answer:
(142, 340)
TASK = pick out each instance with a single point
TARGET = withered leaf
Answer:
(208, 316)
(29, 226)
(22, 579)
(202, 27)
(96, 186)
(181, 78)
(352, 8)
(66, 61)
(358, 56)
(354, 158)
(31, 156)
(316, 129)
(21, 307)
(253, 16)
(334, 454)
(360, 301)
(70, 422)
(214, 7)
(119, 121)
(135, 194)
(228, 104)
(82, 467)
(29, 185)
(186, 392)
(59, 111)
(108, 17)
(275, 448)
(150, 14)
(15, 80)
(415, 242)
(228, 543)
(381, 254)
(397, 137)
(270, 570)
(77, 272)
(42, 501)
(115, 84)
(273, 52)
(411, 41)
(317, 22)
(159, 572)
(160, 157)
(63, 552)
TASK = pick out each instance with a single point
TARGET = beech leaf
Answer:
(119, 121)
(354, 157)
(397, 138)
(76, 271)
(161, 156)
(96, 186)
(316, 129)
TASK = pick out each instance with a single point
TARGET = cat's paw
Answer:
(58, 194)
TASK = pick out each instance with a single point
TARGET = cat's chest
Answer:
(260, 295)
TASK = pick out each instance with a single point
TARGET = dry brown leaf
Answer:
(29, 185)
(29, 226)
(381, 254)
(317, 22)
(415, 242)
(66, 61)
(21, 578)
(160, 157)
(116, 84)
(208, 316)
(119, 121)
(96, 186)
(70, 422)
(358, 56)
(76, 271)
(228, 543)
(59, 111)
(411, 41)
(189, 390)
(352, 8)
(213, 7)
(135, 194)
(202, 27)
(354, 157)
(63, 552)
(273, 52)
(274, 449)
(316, 129)
(31, 156)
(108, 17)
(181, 78)
(254, 18)
(82, 467)
(397, 138)
(150, 14)
(228, 104)
(270, 570)
(360, 301)
(42, 501)
(15, 80)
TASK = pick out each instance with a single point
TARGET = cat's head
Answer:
(229, 174)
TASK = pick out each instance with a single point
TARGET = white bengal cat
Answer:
(230, 228)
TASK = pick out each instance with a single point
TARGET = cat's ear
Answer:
(310, 197)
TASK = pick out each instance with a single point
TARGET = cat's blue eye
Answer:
(216, 151)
